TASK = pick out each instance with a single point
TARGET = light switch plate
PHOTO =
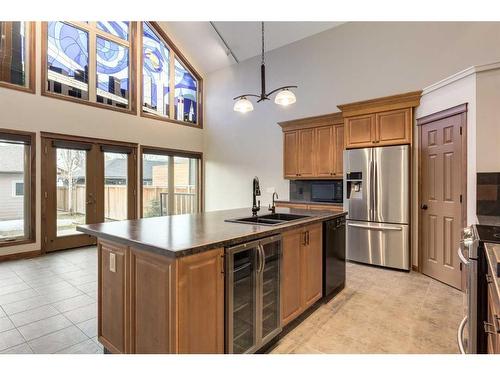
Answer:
(112, 262)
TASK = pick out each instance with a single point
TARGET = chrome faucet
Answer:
(256, 193)
(273, 207)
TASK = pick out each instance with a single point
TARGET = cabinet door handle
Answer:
(304, 242)
(307, 236)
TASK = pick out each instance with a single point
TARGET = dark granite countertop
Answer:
(493, 257)
(181, 235)
(339, 205)
(488, 220)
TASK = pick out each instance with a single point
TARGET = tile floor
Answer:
(381, 311)
(48, 305)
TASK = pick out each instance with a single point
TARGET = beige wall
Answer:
(30, 112)
(352, 62)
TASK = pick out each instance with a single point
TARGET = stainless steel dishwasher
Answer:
(253, 294)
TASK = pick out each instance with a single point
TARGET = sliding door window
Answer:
(170, 183)
(186, 186)
(17, 55)
(16, 187)
(115, 186)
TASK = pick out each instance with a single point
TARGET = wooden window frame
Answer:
(93, 33)
(171, 152)
(31, 47)
(174, 53)
(30, 236)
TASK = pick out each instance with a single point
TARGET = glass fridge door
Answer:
(271, 313)
(242, 299)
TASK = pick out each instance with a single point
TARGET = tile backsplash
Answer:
(488, 194)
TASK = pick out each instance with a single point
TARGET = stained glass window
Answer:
(155, 72)
(13, 52)
(112, 73)
(67, 60)
(116, 28)
(185, 94)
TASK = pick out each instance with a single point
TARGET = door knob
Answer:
(424, 207)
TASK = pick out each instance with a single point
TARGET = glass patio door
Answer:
(84, 182)
(69, 196)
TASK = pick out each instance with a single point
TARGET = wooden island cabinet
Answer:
(149, 303)
(302, 263)
(161, 281)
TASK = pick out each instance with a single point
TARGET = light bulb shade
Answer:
(243, 105)
(285, 97)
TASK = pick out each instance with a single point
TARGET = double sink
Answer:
(270, 219)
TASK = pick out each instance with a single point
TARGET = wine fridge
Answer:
(253, 314)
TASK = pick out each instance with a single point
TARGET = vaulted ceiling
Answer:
(200, 41)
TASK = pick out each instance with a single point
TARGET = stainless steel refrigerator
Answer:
(377, 199)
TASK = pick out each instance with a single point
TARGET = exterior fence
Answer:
(115, 206)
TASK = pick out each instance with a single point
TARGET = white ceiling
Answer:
(200, 42)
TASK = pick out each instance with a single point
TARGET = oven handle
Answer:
(461, 256)
(460, 335)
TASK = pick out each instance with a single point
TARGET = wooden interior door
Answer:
(306, 153)
(291, 151)
(84, 181)
(442, 182)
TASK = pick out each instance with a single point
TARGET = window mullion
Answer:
(92, 66)
(171, 85)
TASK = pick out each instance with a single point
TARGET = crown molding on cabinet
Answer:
(386, 103)
(313, 122)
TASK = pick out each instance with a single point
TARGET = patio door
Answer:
(84, 181)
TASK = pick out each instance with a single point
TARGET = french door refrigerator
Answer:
(376, 198)
(253, 314)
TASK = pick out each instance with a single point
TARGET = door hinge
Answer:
(460, 198)
(460, 130)
(45, 239)
(45, 149)
(45, 195)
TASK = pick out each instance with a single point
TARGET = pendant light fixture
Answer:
(284, 97)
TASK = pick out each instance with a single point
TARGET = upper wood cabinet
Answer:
(302, 266)
(313, 147)
(291, 153)
(380, 122)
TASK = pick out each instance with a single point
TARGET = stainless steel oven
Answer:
(253, 314)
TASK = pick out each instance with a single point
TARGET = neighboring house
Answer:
(11, 182)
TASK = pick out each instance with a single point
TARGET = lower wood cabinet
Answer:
(302, 265)
(149, 303)
(492, 326)
(201, 303)
(152, 313)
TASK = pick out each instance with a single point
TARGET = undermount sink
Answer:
(270, 219)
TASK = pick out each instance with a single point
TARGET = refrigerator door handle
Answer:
(375, 190)
(374, 228)
(370, 190)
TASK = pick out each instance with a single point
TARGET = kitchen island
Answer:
(161, 281)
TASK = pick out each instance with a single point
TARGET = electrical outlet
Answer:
(112, 262)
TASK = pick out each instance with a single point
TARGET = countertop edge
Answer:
(269, 231)
(291, 201)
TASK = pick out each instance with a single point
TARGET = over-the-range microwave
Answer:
(327, 191)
